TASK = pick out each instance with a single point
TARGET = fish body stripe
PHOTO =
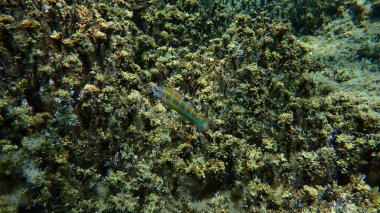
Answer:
(187, 105)
(172, 97)
(180, 102)
(164, 99)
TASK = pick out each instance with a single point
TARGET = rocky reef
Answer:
(292, 89)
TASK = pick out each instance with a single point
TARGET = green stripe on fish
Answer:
(186, 108)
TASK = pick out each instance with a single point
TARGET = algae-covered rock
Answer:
(291, 89)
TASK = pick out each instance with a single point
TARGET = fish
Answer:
(185, 107)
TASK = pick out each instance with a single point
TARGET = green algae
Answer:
(295, 116)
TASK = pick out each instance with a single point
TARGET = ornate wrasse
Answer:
(186, 108)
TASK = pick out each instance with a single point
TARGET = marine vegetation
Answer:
(291, 88)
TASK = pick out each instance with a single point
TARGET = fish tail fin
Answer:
(204, 125)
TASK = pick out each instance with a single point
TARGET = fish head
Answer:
(158, 91)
